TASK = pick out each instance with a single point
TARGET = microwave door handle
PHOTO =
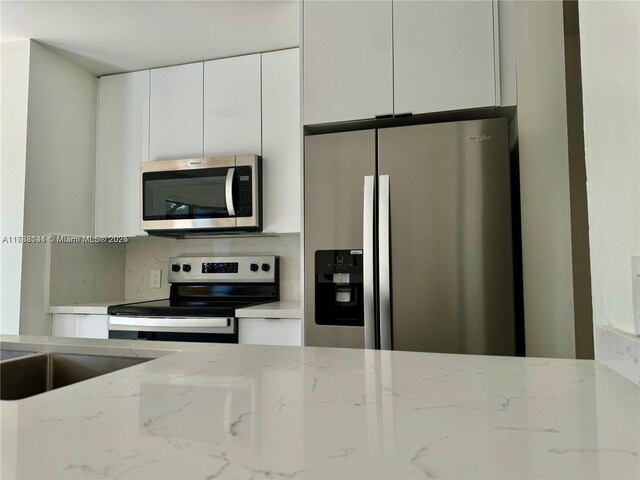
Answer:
(228, 192)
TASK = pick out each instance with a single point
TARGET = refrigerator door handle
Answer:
(384, 262)
(367, 240)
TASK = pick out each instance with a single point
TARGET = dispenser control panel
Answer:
(339, 261)
(339, 288)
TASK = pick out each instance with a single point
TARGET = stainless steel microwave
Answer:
(202, 195)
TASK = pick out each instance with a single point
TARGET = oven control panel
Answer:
(220, 267)
(250, 268)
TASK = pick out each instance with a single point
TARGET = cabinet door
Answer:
(347, 60)
(64, 325)
(80, 325)
(443, 55)
(270, 331)
(507, 27)
(176, 112)
(232, 122)
(122, 144)
(281, 140)
(93, 326)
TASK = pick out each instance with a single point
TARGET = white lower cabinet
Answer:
(81, 326)
(270, 331)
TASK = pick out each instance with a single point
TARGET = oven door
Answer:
(203, 194)
(174, 329)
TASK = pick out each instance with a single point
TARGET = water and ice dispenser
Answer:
(339, 287)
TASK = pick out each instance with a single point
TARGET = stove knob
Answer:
(254, 267)
(266, 267)
(186, 267)
(175, 267)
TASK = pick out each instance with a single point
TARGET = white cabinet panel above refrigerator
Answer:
(443, 55)
(348, 72)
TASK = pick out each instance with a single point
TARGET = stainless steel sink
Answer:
(7, 354)
(30, 375)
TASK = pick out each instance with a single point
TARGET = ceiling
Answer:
(107, 37)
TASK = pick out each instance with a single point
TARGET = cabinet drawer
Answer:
(270, 331)
(79, 325)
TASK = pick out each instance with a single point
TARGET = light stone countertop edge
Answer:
(281, 309)
(88, 308)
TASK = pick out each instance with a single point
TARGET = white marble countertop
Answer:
(89, 308)
(241, 411)
(95, 346)
(283, 309)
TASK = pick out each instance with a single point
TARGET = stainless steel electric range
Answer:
(204, 295)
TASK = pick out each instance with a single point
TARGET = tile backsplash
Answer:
(86, 272)
(144, 254)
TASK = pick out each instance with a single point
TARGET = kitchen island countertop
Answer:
(281, 309)
(246, 411)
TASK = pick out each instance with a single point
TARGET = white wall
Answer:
(60, 169)
(610, 50)
(13, 107)
(544, 180)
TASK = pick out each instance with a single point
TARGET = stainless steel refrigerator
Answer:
(407, 239)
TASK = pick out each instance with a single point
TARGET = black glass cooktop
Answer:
(201, 300)
(182, 308)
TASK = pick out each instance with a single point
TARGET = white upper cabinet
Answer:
(176, 112)
(365, 59)
(507, 43)
(443, 55)
(234, 106)
(348, 70)
(281, 140)
(232, 117)
(122, 144)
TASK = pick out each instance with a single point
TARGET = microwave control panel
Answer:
(245, 192)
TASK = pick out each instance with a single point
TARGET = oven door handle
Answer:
(185, 322)
(228, 192)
